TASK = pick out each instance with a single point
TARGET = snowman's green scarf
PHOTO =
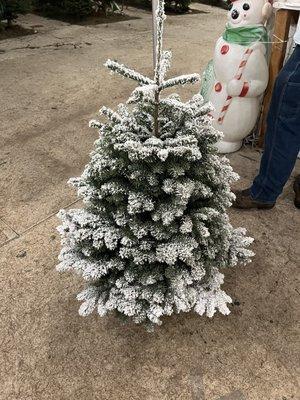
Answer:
(246, 35)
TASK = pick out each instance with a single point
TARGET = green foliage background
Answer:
(10, 8)
(76, 8)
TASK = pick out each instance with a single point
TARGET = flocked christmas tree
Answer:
(154, 233)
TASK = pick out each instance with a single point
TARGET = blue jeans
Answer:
(282, 140)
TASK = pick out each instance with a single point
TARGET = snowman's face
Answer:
(245, 12)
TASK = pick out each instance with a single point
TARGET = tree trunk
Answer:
(156, 124)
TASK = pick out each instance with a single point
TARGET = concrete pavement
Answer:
(53, 83)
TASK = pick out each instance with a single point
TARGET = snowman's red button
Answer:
(218, 87)
(224, 49)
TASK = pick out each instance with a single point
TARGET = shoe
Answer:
(245, 201)
(297, 191)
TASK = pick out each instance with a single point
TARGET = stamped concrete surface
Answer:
(53, 83)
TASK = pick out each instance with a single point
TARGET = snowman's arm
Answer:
(253, 88)
(246, 88)
(256, 74)
(254, 79)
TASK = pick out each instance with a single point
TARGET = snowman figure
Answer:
(236, 78)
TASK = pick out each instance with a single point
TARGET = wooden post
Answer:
(281, 33)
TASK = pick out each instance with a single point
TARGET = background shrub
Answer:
(75, 8)
(10, 8)
(181, 6)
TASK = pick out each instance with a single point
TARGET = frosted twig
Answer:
(110, 114)
(165, 63)
(180, 80)
(121, 69)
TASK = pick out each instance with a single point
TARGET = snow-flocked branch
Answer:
(180, 80)
(123, 70)
(95, 124)
(165, 63)
(110, 114)
(145, 93)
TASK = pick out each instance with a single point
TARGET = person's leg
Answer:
(282, 140)
(296, 188)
